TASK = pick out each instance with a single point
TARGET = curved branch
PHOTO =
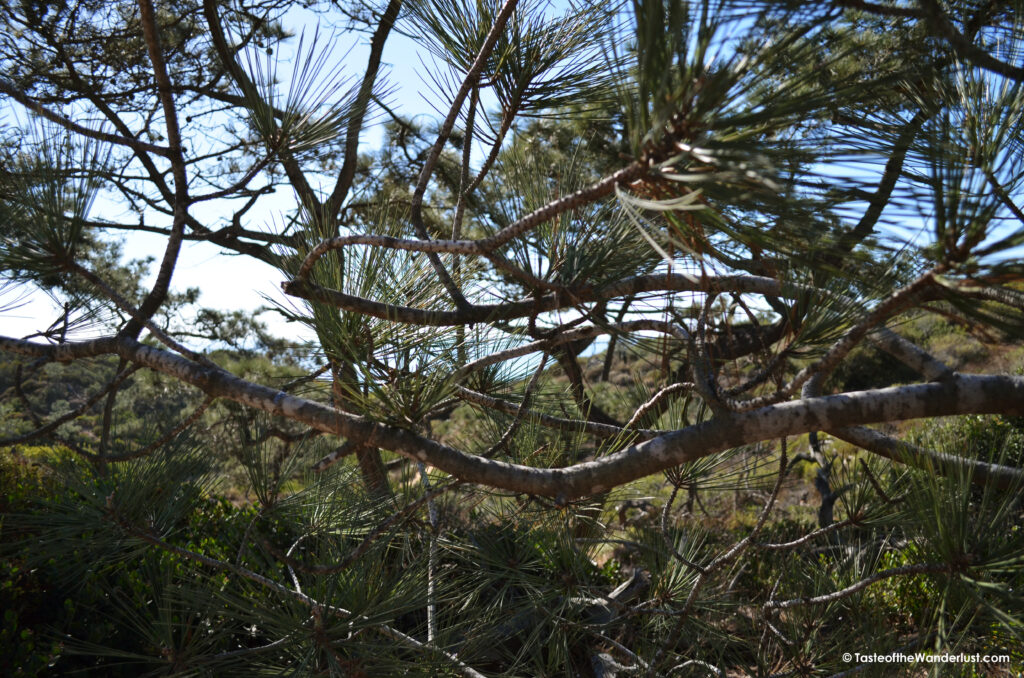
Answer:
(8, 88)
(886, 185)
(468, 83)
(656, 399)
(923, 568)
(155, 298)
(964, 394)
(482, 246)
(362, 101)
(910, 354)
(136, 315)
(980, 472)
(828, 529)
(897, 301)
(964, 46)
(481, 313)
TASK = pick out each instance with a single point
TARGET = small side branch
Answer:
(8, 88)
(520, 413)
(834, 527)
(74, 414)
(981, 473)
(924, 568)
(910, 354)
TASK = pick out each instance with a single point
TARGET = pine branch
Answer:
(923, 568)
(158, 293)
(7, 87)
(468, 83)
(964, 394)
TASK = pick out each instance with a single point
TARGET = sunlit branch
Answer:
(923, 568)
(517, 418)
(810, 536)
(481, 313)
(468, 84)
(896, 302)
(655, 401)
(980, 472)
(135, 314)
(910, 354)
(964, 394)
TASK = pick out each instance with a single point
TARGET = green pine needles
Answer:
(651, 338)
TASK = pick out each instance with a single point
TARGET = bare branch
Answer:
(910, 354)
(8, 88)
(468, 83)
(828, 529)
(923, 568)
(136, 314)
(517, 418)
(655, 400)
(964, 394)
(478, 313)
(980, 472)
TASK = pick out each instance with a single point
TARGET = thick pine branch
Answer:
(964, 394)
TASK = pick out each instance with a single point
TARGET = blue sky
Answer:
(239, 282)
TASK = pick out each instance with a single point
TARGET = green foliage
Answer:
(629, 225)
(520, 588)
(45, 205)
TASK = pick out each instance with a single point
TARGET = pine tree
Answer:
(646, 251)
